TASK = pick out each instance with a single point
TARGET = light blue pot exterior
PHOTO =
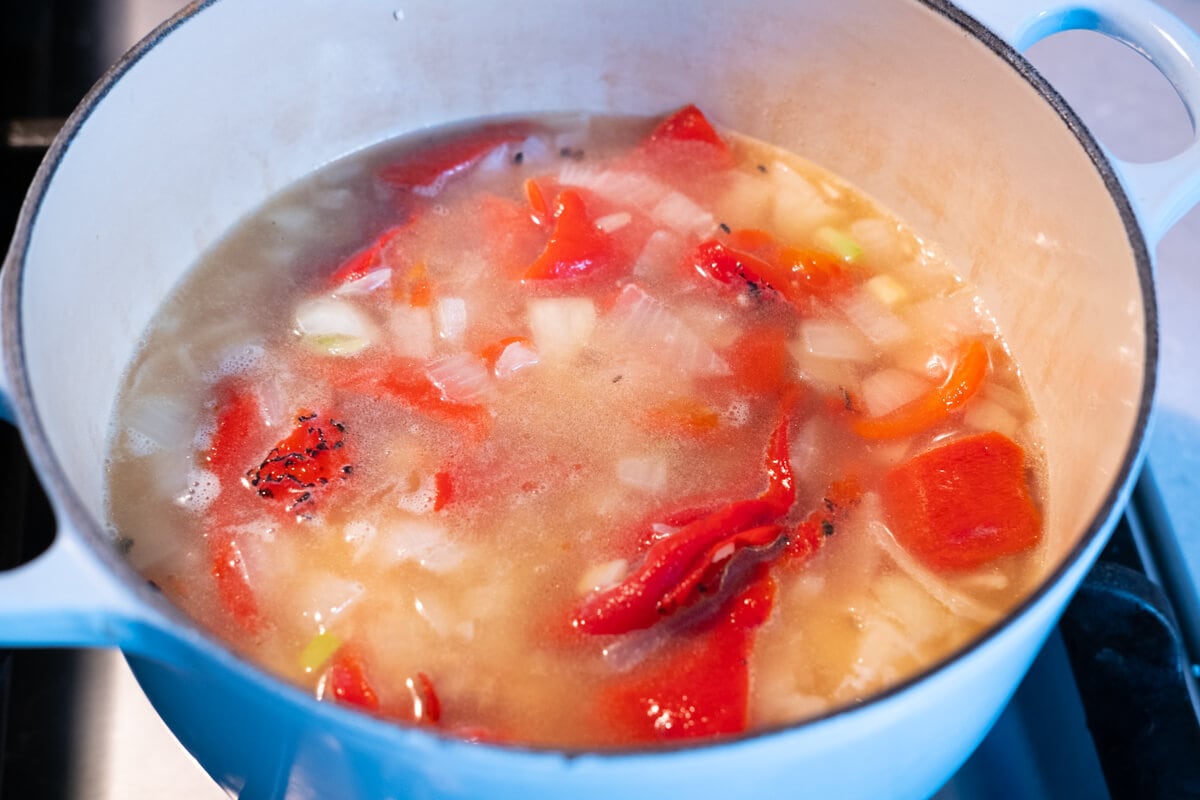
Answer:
(260, 738)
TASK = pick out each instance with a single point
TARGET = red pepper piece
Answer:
(810, 534)
(239, 426)
(689, 124)
(404, 381)
(761, 362)
(514, 234)
(301, 465)
(798, 275)
(727, 265)
(780, 493)
(707, 572)
(366, 260)
(699, 686)
(965, 378)
(576, 247)
(228, 569)
(427, 171)
(673, 567)
(347, 681)
(443, 486)
(426, 707)
(963, 504)
(682, 416)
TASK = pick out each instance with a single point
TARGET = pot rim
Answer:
(68, 505)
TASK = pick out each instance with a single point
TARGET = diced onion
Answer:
(878, 238)
(561, 326)
(515, 357)
(436, 612)
(328, 596)
(333, 325)
(420, 542)
(886, 290)
(160, 422)
(614, 222)
(375, 279)
(663, 337)
(628, 189)
(647, 473)
(203, 487)
(747, 202)
(462, 378)
(984, 415)
(602, 575)
(412, 332)
(937, 588)
(660, 253)
(359, 534)
(451, 318)
(534, 151)
(799, 206)
(889, 389)
(680, 213)
(833, 340)
(874, 319)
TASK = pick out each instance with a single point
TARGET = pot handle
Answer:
(1161, 191)
(67, 597)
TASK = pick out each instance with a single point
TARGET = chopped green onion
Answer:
(839, 243)
(319, 649)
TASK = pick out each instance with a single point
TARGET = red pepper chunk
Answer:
(963, 504)
(689, 124)
(965, 378)
(676, 567)
(347, 681)
(228, 569)
(576, 246)
(699, 686)
(451, 156)
(302, 464)
(366, 260)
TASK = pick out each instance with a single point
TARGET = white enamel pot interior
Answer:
(915, 103)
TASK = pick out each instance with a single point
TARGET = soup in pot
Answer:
(580, 432)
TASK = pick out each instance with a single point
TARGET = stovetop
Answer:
(1088, 721)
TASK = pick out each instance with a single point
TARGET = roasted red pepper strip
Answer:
(709, 566)
(699, 685)
(576, 247)
(689, 124)
(300, 467)
(451, 156)
(797, 275)
(426, 707)
(809, 535)
(366, 260)
(239, 426)
(228, 569)
(716, 260)
(347, 681)
(673, 566)
(963, 503)
(405, 381)
(964, 380)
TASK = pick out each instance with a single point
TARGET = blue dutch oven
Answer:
(925, 105)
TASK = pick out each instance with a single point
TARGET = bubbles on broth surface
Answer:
(609, 431)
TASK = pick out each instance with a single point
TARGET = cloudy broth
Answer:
(579, 431)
